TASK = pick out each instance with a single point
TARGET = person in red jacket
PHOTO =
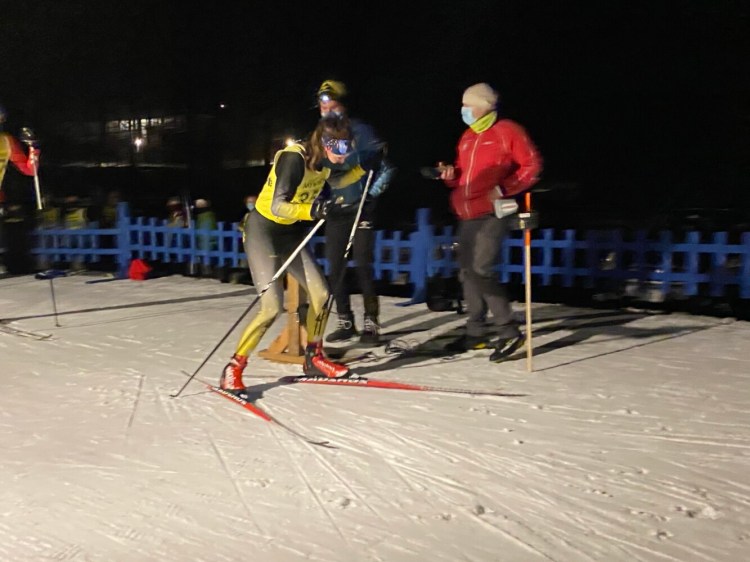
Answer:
(495, 160)
(14, 224)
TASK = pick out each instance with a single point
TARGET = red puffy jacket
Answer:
(11, 149)
(502, 156)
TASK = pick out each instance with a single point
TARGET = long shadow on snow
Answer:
(136, 305)
(618, 331)
(586, 326)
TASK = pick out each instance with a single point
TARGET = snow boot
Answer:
(345, 330)
(317, 365)
(506, 347)
(371, 331)
(231, 376)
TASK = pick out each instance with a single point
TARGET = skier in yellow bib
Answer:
(290, 197)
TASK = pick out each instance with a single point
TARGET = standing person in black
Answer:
(347, 182)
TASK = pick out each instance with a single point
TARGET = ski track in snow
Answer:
(632, 442)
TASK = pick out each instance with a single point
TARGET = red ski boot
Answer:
(231, 376)
(318, 365)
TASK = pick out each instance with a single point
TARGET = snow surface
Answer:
(631, 442)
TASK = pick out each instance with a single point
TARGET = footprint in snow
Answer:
(662, 535)
(628, 411)
(599, 492)
(648, 515)
(707, 512)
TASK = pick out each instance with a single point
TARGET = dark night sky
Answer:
(622, 97)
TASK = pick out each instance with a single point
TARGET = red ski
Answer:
(392, 385)
(262, 414)
(249, 406)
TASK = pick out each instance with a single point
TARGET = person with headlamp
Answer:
(348, 181)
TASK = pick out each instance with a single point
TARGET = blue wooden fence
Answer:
(696, 263)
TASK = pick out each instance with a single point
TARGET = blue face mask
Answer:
(467, 115)
(250, 206)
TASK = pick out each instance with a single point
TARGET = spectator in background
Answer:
(74, 213)
(109, 209)
(74, 217)
(108, 219)
(242, 275)
(250, 201)
(49, 217)
(495, 159)
(348, 180)
(205, 222)
(176, 216)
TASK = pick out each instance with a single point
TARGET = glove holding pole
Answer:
(320, 208)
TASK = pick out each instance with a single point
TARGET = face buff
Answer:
(484, 123)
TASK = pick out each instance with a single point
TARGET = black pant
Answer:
(479, 243)
(18, 245)
(338, 229)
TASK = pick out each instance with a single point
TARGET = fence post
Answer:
(123, 240)
(745, 267)
(421, 248)
(192, 255)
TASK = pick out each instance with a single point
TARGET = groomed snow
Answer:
(631, 442)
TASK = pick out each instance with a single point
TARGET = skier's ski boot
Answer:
(231, 376)
(371, 331)
(345, 330)
(506, 347)
(318, 365)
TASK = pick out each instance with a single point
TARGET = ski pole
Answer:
(276, 275)
(52, 274)
(37, 189)
(190, 225)
(54, 302)
(329, 302)
(28, 137)
(527, 274)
